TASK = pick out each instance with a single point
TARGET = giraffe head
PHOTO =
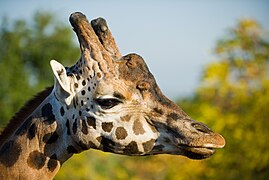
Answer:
(113, 103)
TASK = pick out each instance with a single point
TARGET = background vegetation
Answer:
(233, 99)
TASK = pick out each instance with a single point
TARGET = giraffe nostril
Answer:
(201, 127)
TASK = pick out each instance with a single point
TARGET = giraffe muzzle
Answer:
(189, 138)
(201, 141)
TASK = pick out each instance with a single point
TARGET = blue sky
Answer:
(176, 38)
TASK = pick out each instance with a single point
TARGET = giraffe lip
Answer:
(198, 152)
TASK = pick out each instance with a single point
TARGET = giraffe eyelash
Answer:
(107, 103)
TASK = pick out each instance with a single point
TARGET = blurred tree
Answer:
(233, 99)
(25, 51)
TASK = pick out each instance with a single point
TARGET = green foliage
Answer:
(232, 99)
(25, 51)
(104, 166)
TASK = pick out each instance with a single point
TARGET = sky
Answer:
(176, 38)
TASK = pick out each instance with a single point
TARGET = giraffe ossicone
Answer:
(105, 101)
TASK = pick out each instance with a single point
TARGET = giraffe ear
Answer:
(61, 80)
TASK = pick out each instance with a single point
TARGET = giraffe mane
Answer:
(23, 113)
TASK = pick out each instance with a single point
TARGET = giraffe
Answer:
(104, 101)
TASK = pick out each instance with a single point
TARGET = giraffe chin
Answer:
(198, 152)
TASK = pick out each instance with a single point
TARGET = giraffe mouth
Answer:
(198, 152)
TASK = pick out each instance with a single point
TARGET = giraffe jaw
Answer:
(192, 152)
(198, 152)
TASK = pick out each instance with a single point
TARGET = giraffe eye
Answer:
(107, 103)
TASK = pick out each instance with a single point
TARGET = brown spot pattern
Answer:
(67, 127)
(9, 153)
(138, 127)
(83, 83)
(36, 160)
(62, 111)
(75, 127)
(99, 139)
(125, 118)
(148, 145)
(52, 164)
(83, 92)
(121, 133)
(131, 148)
(107, 126)
(50, 137)
(84, 127)
(91, 121)
(92, 145)
(32, 132)
(47, 114)
(107, 144)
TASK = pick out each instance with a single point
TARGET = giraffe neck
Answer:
(39, 145)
